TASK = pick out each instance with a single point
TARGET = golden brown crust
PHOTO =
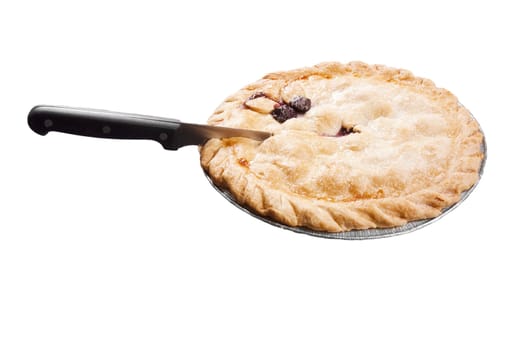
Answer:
(416, 151)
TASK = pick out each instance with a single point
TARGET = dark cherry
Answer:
(345, 131)
(300, 103)
(283, 113)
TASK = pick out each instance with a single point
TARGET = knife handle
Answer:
(104, 124)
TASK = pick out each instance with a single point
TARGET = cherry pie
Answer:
(354, 146)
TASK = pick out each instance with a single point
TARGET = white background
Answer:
(121, 245)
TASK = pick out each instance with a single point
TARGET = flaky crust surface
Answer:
(413, 150)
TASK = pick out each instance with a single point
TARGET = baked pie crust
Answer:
(409, 150)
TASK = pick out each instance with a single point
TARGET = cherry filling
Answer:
(345, 131)
(285, 111)
(300, 104)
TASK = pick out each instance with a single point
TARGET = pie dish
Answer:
(354, 146)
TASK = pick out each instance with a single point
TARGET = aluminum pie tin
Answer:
(367, 233)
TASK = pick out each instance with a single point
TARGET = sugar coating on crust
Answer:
(413, 151)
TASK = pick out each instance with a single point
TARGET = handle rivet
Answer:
(163, 136)
(106, 130)
(48, 123)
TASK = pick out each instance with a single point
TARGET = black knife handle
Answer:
(104, 124)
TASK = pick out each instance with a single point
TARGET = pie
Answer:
(354, 146)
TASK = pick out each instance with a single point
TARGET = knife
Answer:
(170, 133)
